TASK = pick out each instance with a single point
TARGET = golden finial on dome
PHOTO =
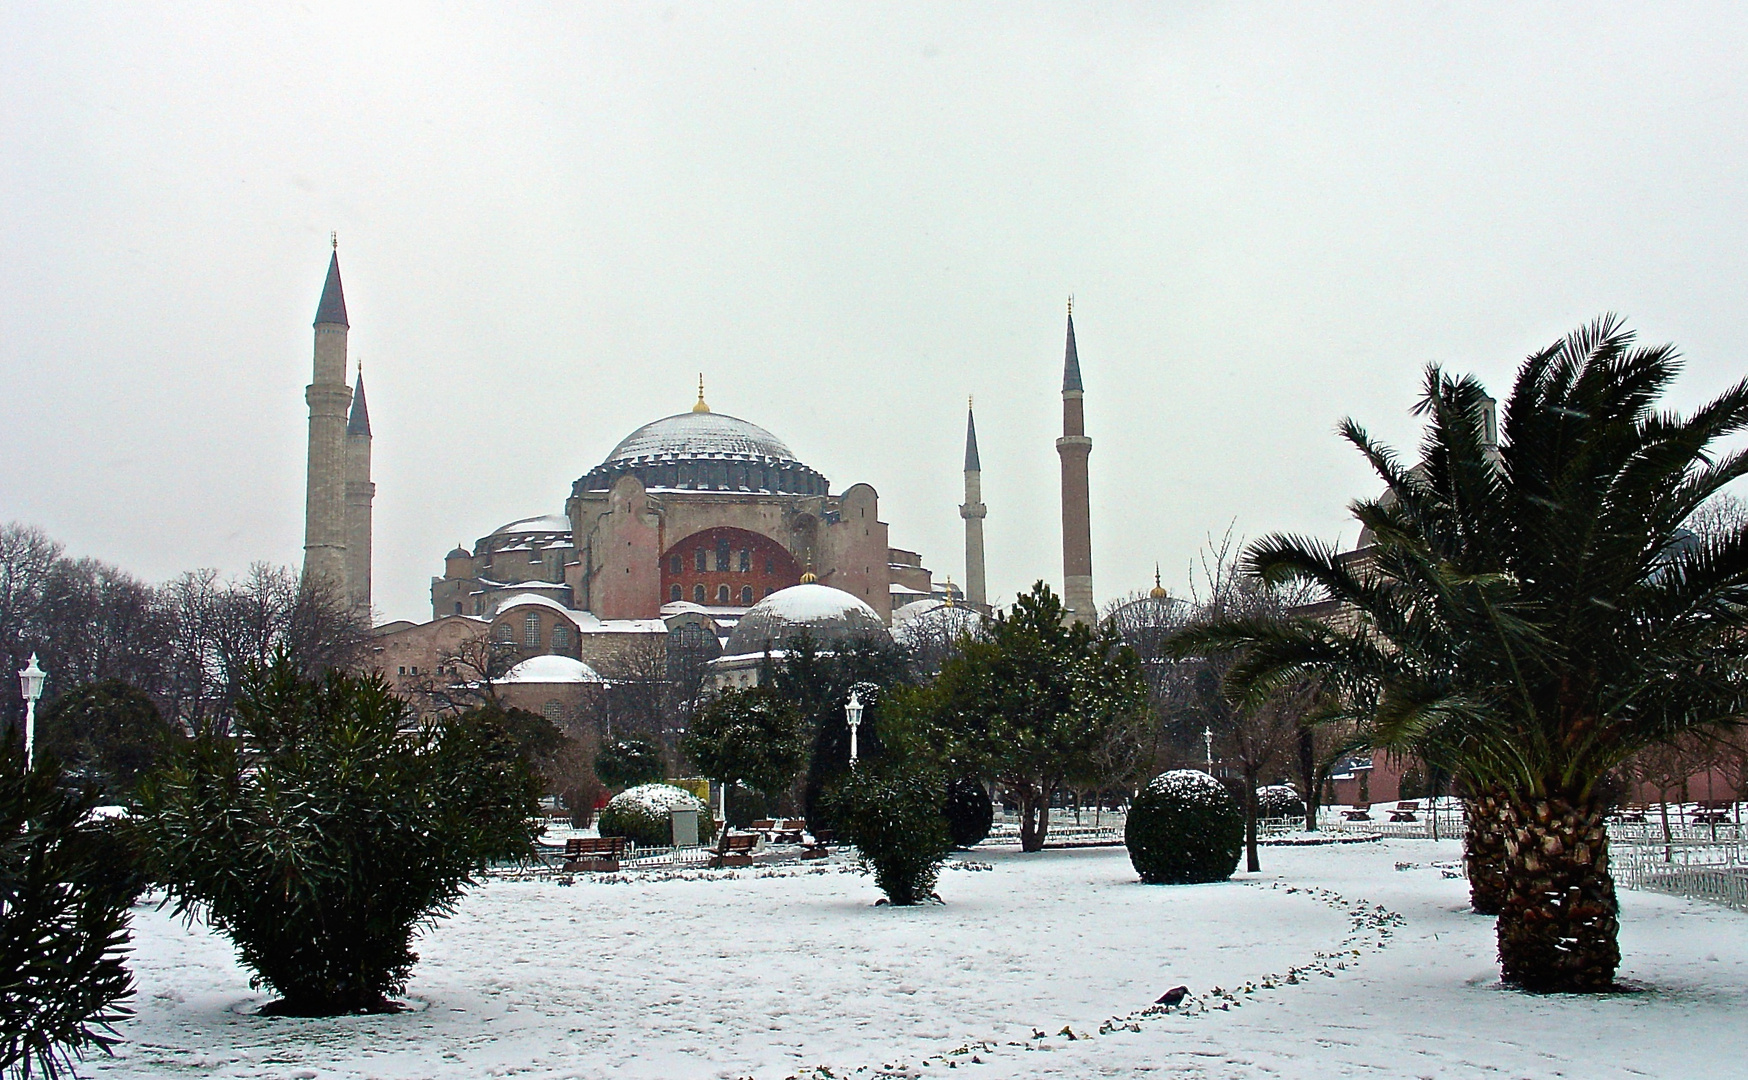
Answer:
(949, 590)
(700, 407)
(1158, 591)
(809, 578)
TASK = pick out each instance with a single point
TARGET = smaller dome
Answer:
(459, 553)
(552, 669)
(934, 620)
(824, 613)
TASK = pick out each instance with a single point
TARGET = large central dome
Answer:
(705, 451)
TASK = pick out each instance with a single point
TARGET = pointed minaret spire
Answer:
(332, 309)
(1074, 448)
(973, 511)
(358, 419)
(700, 406)
(1071, 358)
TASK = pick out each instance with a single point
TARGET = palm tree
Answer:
(1530, 615)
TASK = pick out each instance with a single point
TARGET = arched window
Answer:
(722, 594)
(561, 638)
(746, 595)
(674, 590)
(698, 558)
(504, 633)
(697, 594)
(531, 632)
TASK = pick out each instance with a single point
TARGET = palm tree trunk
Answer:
(1484, 851)
(1559, 929)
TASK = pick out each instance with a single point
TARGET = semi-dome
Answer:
(542, 523)
(705, 451)
(824, 613)
(930, 621)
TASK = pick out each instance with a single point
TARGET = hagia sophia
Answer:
(698, 528)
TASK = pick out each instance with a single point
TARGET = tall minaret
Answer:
(973, 511)
(324, 521)
(1075, 447)
(360, 492)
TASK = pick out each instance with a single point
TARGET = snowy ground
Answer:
(778, 973)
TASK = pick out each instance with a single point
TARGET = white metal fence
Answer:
(1696, 867)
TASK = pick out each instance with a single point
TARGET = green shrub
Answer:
(1184, 828)
(640, 814)
(66, 885)
(1279, 801)
(895, 816)
(330, 830)
(745, 806)
(105, 733)
(970, 813)
(628, 761)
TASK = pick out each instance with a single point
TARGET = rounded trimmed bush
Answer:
(1279, 801)
(1184, 828)
(969, 811)
(640, 814)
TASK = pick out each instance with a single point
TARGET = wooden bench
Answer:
(736, 849)
(1360, 812)
(820, 847)
(1405, 811)
(1630, 814)
(1711, 812)
(780, 830)
(594, 853)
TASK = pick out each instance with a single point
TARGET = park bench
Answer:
(1405, 811)
(820, 847)
(1630, 814)
(1711, 812)
(736, 849)
(779, 830)
(594, 853)
(1360, 812)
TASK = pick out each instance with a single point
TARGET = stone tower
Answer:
(973, 511)
(1074, 448)
(324, 522)
(360, 492)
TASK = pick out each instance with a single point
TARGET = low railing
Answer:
(1697, 868)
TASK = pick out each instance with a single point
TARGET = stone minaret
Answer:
(360, 492)
(324, 521)
(1075, 447)
(973, 511)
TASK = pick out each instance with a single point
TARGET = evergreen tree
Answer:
(629, 760)
(106, 733)
(749, 737)
(66, 887)
(329, 829)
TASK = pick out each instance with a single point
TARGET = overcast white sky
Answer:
(849, 217)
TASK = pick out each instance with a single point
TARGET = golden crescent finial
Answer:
(700, 407)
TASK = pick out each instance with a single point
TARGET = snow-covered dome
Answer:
(705, 451)
(544, 523)
(934, 620)
(552, 669)
(825, 613)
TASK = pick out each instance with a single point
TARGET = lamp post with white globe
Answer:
(30, 685)
(853, 716)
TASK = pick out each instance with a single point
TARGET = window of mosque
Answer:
(697, 594)
(746, 594)
(722, 554)
(675, 566)
(699, 558)
(770, 565)
(531, 632)
(458, 607)
(504, 633)
(769, 590)
(722, 594)
(746, 561)
(561, 638)
(553, 710)
(674, 591)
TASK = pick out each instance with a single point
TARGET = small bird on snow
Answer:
(1173, 996)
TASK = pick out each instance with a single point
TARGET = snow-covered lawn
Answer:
(775, 973)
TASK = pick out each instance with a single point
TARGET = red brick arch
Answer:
(769, 566)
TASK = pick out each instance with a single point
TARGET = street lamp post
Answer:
(30, 685)
(1208, 741)
(853, 716)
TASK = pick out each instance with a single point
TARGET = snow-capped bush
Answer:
(640, 814)
(1279, 801)
(1184, 828)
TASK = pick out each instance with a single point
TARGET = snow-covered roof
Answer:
(934, 620)
(543, 523)
(552, 669)
(586, 622)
